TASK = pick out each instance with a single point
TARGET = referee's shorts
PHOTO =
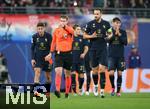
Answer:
(63, 59)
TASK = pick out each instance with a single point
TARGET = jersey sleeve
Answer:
(33, 44)
(69, 29)
(123, 38)
(53, 44)
(85, 42)
(108, 26)
(87, 28)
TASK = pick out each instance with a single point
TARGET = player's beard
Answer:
(97, 19)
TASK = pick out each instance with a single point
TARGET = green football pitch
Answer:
(126, 101)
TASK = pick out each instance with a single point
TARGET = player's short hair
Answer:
(98, 9)
(42, 24)
(116, 19)
(64, 17)
(75, 26)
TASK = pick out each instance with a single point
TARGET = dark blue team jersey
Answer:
(41, 45)
(100, 28)
(117, 43)
(78, 48)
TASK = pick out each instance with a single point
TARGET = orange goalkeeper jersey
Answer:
(62, 39)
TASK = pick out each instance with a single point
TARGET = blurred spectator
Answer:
(116, 4)
(139, 4)
(30, 9)
(98, 3)
(3, 60)
(110, 4)
(125, 3)
(88, 3)
(8, 2)
(4, 29)
(132, 4)
(21, 3)
(134, 59)
(3, 69)
(70, 6)
(77, 11)
(85, 11)
(51, 3)
(80, 3)
(147, 3)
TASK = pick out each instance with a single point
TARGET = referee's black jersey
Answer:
(40, 45)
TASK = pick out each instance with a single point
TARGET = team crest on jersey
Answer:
(76, 44)
(123, 64)
(85, 27)
(37, 39)
(80, 40)
(104, 26)
(98, 31)
(42, 44)
(65, 35)
(45, 39)
(93, 25)
(116, 38)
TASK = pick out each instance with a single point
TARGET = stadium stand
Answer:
(137, 8)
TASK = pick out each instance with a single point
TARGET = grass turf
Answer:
(126, 101)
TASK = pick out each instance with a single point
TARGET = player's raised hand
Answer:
(61, 25)
(109, 35)
(94, 35)
(33, 62)
(48, 57)
(117, 32)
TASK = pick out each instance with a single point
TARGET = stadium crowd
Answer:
(79, 3)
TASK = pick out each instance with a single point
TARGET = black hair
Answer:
(75, 26)
(41, 24)
(64, 17)
(99, 9)
(116, 19)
